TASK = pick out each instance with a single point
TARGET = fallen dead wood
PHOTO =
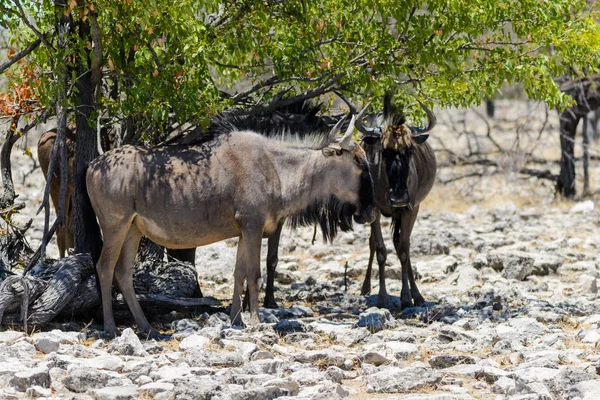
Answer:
(67, 288)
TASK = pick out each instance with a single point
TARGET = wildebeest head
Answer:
(356, 186)
(398, 141)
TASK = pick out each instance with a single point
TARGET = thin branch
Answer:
(309, 94)
(272, 81)
(30, 26)
(155, 57)
(489, 130)
(20, 55)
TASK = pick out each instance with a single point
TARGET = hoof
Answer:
(110, 334)
(254, 321)
(406, 303)
(153, 334)
(237, 321)
(419, 300)
(272, 304)
(365, 289)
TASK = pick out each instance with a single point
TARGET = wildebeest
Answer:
(236, 183)
(64, 235)
(403, 168)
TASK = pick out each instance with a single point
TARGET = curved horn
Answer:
(366, 131)
(432, 121)
(334, 131)
(374, 132)
(346, 143)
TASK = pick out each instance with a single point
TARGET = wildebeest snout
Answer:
(399, 200)
(367, 216)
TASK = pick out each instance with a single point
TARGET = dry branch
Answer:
(68, 288)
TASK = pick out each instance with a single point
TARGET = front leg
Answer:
(414, 290)
(247, 267)
(401, 245)
(402, 231)
(377, 236)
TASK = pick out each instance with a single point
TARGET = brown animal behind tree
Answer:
(64, 234)
(237, 183)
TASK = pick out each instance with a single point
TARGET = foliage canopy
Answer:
(164, 60)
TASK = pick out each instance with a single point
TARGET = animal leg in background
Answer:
(64, 234)
(272, 261)
(401, 236)
(366, 286)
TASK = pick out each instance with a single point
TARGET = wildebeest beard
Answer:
(331, 214)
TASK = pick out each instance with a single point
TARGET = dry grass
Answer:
(489, 192)
(574, 342)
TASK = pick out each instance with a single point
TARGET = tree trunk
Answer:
(64, 26)
(587, 96)
(566, 178)
(8, 195)
(87, 231)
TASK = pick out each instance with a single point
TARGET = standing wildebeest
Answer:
(237, 183)
(64, 235)
(403, 168)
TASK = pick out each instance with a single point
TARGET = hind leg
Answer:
(366, 286)
(247, 267)
(114, 236)
(124, 278)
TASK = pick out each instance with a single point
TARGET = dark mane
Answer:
(329, 214)
(298, 121)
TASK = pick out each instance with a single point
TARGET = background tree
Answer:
(144, 66)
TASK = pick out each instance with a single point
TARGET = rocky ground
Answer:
(510, 273)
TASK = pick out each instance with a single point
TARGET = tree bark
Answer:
(59, 150)
(587, 95)
(8, 195)
(87, 231)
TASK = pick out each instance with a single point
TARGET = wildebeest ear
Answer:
(330, 151)
(420, 139)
